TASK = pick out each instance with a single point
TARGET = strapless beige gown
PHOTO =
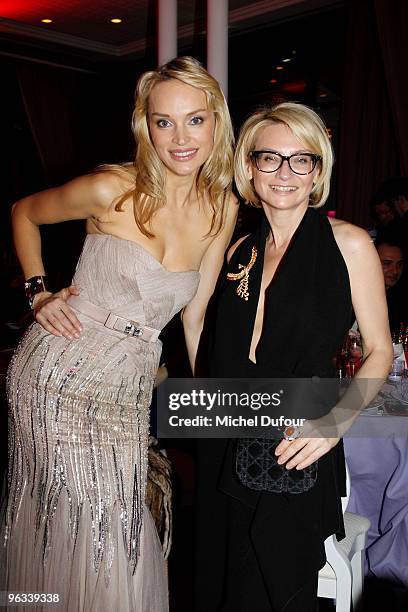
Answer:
(75, 522)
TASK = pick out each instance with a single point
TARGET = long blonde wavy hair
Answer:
(214, 178)
(307, 126)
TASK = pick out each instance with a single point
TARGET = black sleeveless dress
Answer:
(255, 548)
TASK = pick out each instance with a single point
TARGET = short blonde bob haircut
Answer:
(307, 126)
(214, 178)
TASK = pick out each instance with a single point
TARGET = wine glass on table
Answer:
(354, 353)
(397, 369)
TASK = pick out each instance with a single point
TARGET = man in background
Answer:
(391, 255)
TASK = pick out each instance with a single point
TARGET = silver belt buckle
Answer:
(133, 329)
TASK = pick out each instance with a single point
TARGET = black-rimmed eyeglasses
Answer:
(271, 161)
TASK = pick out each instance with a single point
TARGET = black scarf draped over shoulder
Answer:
(306, 313)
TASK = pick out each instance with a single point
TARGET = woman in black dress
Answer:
(283, 308)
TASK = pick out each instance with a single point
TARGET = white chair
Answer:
(342, 576)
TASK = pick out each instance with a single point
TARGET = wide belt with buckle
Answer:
(112, 321)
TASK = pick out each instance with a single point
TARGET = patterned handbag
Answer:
(257, 468)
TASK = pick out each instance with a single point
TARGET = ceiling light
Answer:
(279, 67)
(323, 95)
(46, 20)
(116, 20)
(287, 59)
(274, 81)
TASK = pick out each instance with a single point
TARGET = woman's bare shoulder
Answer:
(109, 184)
(231, 212)
(350, 238)
(233, 201)
(112, 178)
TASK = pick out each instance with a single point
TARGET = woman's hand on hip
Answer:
(53, 313)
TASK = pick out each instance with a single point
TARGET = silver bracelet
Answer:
(32, 286)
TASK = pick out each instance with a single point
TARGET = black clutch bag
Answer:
(257, 468)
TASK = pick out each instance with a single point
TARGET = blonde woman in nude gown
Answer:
(80, 382)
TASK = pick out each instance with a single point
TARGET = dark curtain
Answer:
(47, 95)
(392, 24)
(373, 118)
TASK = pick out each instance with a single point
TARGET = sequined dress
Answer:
(75, 523)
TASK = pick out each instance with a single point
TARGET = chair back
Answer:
(345, 500)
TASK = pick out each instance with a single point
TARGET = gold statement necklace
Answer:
(243, 276)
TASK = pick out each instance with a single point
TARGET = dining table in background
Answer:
(376, 449)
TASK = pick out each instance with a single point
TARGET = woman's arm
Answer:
(193, 314)
(369, 303)
(81, 198)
